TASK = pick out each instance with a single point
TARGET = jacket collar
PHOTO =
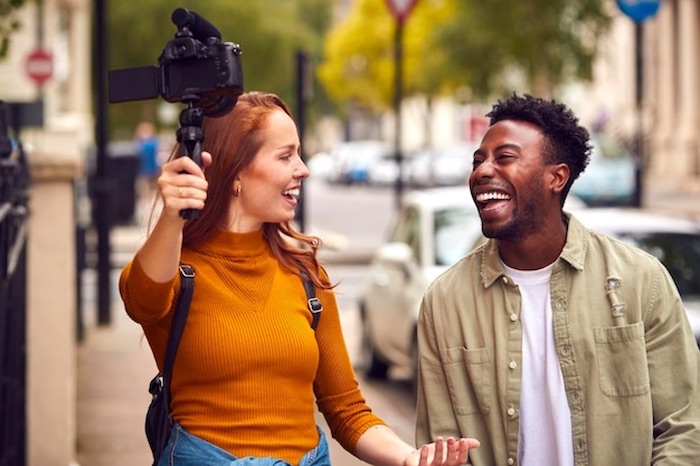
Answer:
(574, 252)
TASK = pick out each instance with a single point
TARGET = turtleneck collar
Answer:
(227, 243)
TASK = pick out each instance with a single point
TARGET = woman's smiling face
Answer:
(267, 190)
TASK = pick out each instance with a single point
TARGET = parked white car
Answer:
(432, 231)
(354, 158)
(444, 166)
(439, 226)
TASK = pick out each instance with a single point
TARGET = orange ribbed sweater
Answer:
(249, 365)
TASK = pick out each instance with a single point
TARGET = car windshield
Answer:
(679, 252)
(456, 229)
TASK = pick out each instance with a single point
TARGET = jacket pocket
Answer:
(622, 360)
(468, 374)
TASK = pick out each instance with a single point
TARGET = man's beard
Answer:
(522, 223)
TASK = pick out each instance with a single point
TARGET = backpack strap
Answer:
(178, 325)
(313, 303)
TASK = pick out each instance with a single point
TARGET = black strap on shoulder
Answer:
(178, 325)
(312, 301)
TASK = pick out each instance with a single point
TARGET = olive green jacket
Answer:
(627, 354)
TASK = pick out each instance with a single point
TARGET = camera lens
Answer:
(216, 106)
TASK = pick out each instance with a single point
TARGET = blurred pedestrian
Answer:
(250, 368)
(149, 163)
(550, 343)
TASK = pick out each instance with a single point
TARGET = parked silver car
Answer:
(609, 178)
(432, 231)
(444, 166)
(438, 227)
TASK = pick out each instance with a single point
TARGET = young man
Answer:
(552, 344)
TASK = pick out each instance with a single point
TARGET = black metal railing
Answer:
(14, 195)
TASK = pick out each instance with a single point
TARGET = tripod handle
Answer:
(191, 148)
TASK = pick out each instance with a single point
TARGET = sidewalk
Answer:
(115, 363)
(115, 366)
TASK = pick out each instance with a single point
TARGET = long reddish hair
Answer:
(233, 140)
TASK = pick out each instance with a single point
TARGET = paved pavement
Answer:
(115, 363)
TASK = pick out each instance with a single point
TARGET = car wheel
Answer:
(374, 367)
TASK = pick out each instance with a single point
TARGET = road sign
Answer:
(39, 66)
(639, 10)
(401, 8)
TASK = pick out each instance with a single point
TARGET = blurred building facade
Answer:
(669, 116)
(55, 149)
(673, 125)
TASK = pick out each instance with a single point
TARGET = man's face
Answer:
(508, 180)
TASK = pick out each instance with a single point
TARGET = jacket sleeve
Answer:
(674, 371)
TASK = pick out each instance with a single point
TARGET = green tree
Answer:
(488, 47)
(359, 63)
(8, 23)
(268, 31)
(535, 45)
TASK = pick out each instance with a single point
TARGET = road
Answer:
(352, 217)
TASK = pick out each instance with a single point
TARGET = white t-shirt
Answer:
(545, 418)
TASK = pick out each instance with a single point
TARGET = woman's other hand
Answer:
(450, 452)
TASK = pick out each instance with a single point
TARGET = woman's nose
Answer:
(301, 171)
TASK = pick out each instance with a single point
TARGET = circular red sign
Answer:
(39, 66)
(401, 8)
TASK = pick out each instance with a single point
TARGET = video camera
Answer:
(195, 66)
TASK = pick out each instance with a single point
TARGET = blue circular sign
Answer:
(639, 10)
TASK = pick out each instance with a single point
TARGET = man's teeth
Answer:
(483, 197)
(291, 192)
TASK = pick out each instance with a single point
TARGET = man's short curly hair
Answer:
(565, 140)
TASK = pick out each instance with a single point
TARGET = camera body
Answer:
(191, 68)
(211, 71)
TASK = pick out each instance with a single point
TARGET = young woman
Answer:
(250, 367)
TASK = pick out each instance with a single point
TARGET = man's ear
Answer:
(558, 177)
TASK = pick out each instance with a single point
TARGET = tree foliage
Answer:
(488, 47)
(269, 32)
(543, 42)
(359, 60)
(8, 23)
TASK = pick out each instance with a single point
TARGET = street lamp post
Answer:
(639, 11)
(400, 9)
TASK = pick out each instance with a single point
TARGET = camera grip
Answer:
(192, 148)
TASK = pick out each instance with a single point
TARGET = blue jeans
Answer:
(184, 449)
